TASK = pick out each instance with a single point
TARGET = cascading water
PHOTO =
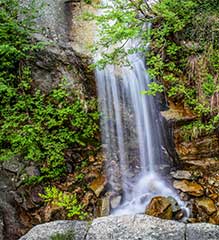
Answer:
(131, 134)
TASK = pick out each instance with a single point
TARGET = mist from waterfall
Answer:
(131, 134)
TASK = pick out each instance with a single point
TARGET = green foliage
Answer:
(198, 128)
(153, 89)
(37, 126)
(184, 48)
(116, 25)
(184, 54)
(88, 1)
(63, 199)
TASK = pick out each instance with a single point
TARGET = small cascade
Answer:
(131, 134)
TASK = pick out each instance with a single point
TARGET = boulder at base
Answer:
(160, 207)
(135, 227)
(202, 231)
(141, 227)
(66, 229)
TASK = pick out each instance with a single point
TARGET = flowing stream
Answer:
(131, 134)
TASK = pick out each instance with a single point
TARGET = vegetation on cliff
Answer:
(36, 126)
(183, 58)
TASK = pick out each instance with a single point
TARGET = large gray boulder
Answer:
(135, 227)
(202, 231)
(74, 230)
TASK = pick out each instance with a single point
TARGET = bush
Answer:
(63, 199)
(37, 126)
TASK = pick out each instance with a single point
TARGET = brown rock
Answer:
(52, 210)
(160, 207)
(98, 185)
(86, 200)
(191, 188)
(207, 205)
(91, 159)
(179, 215)
(214, 219)
(214, 196)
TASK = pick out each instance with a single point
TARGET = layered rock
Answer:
(197, 164)
(200, 151)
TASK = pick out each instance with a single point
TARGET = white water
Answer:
(131, 135)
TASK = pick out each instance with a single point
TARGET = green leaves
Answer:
(63, 199)
(117, 24)
(42, 126)
(183, 52)
(153, 89)
(37, 126)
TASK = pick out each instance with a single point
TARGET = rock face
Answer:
(65, 57)
(196, 167)
(10, 226)
(200, 150)
(61, 60)
(124, 228)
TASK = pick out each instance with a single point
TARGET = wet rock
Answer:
(98, 185)
(160, 207)
(184, 196)
(179, 215)
(174, 204)
(191, 188)
(105, 206)
(207, 205)
(62, 229)
(115, 201)
(182, 174)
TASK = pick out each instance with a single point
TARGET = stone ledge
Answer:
(141, 227)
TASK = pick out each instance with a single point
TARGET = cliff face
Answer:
(63, 58)
(196, 167)
(197, 149)
(66, 56)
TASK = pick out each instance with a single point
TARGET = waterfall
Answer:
(131, 134)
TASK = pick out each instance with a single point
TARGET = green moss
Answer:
(70, 235)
